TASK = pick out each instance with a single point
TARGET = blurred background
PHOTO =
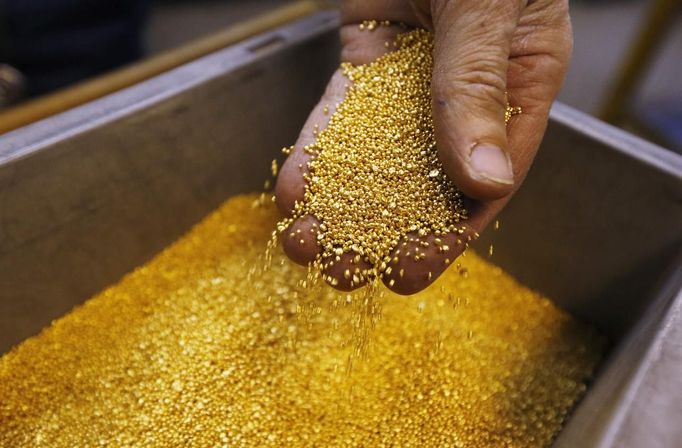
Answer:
(626, 67)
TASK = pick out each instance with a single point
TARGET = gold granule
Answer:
(375, 175)
(197, 348)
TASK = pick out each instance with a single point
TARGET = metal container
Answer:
(88, 195)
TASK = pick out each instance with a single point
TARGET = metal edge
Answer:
(663, 307)
(615, 138)
(30, 139)
(668, 307)
(660, 314)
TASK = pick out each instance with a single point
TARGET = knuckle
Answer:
(480, 84)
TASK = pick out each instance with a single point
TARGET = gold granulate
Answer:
(198, 348)
(273, 167)
(375, 175)
(510, 112)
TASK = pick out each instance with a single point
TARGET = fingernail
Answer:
(492, 163)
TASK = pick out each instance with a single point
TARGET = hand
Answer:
(483, 48)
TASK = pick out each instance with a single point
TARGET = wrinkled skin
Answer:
(482, 49)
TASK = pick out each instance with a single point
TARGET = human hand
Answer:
(483, 48)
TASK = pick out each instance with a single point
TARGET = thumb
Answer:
(471, 54)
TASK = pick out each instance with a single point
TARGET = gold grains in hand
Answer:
(510, 112)
(371, 25)
(375, 175)
(185, 352)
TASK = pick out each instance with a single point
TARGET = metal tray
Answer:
(87, 195)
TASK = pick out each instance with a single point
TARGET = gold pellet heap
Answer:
(197, 348)
(375, 175)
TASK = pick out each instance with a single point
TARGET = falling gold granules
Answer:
(375, 175)
(185, 352)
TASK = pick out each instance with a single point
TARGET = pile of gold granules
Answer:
(197, 348)
(375, 175)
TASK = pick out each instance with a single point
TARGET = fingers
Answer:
(419, 261)
(299, 241)
(346, 272)
(472, 47)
